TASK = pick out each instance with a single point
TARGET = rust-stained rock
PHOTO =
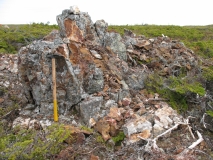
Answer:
(114, 126)
(66, 153)
(142, 43)
(93, 157)
(103, 127)
(77, 135)
(126, 101)
(136, 125)
(92, 122)
(116, 113)
(73, 33)
(137, 136)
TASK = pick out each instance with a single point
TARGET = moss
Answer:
(119, 138)
(207, 72)
(3, 91)
(175, 89)
(14, 98)
(186, 84)
(210, 113)
(5, 110)
(86, 129)
(31, 144)
(99, 139)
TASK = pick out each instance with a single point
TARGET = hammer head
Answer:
(53, 55)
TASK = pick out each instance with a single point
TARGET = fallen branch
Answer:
(167, 131)
(194, 144)
(152, 143)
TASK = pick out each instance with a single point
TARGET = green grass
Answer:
(20, 35)
(210, 113)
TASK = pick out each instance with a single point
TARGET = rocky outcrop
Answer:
(11, 93)
(90, 62)
(100, 76)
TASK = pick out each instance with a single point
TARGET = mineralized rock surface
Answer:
(100, 75)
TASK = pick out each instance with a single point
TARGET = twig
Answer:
(169, 130)
(203, 120)
(153, 142)
(194, 144)
(190, 129)
(8, 113)
(209, 105)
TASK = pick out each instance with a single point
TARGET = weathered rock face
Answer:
(114, 41)
(101, 75)
(89, 60)
(101, 29)
(11, 93)
(38, 77)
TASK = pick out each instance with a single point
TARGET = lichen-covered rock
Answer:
(114, 41)
(101, 29)
(12, 95)
(91, 108)
(35, 72)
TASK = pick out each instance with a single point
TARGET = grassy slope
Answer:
(20, 35)
(197, 38)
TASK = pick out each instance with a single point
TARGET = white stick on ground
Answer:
(167, 131)
(190, 130)
(203, 120)
(152, 142)
(194, 144)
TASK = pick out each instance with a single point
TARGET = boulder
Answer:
(91, 108)
(114, 41)
(137, 125)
